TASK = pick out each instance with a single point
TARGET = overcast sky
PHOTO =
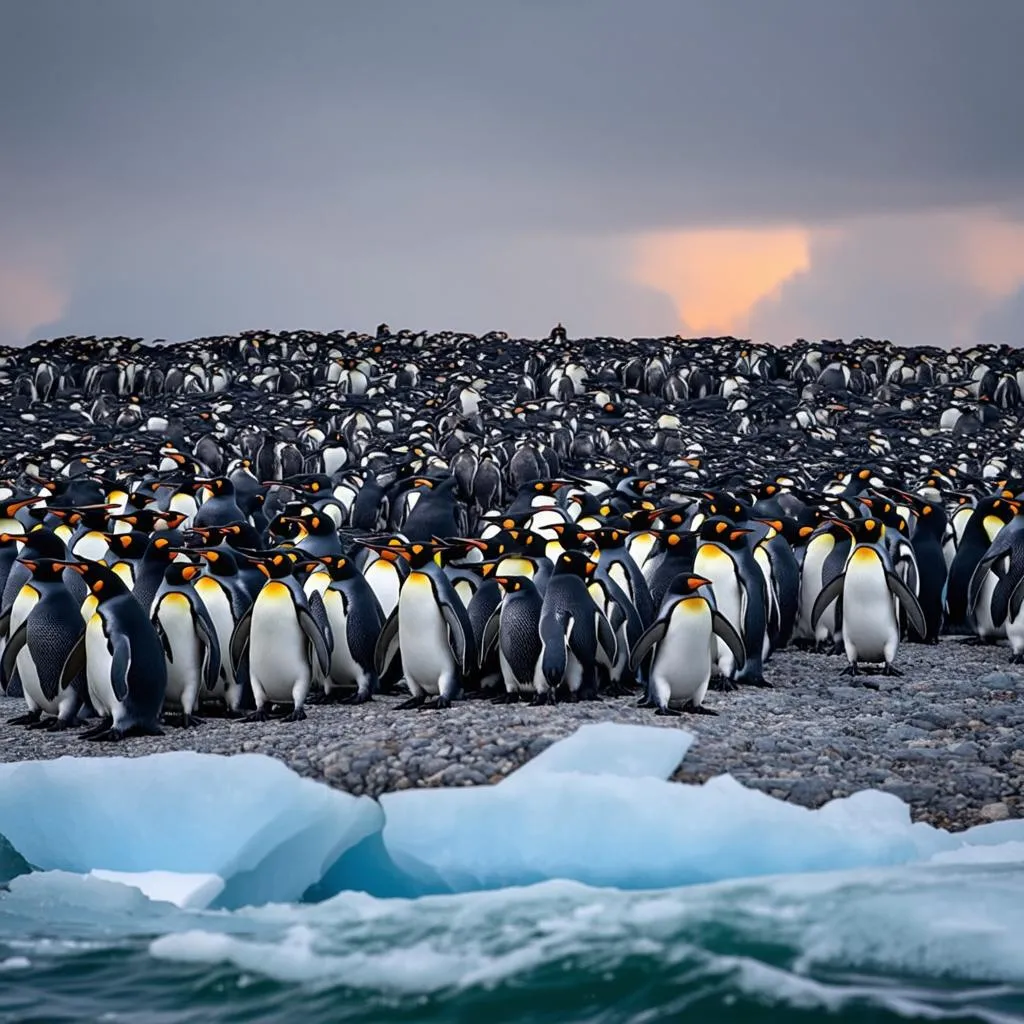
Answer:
(809, 168)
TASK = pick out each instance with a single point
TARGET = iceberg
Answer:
(247, 820)
(608, 748)
(204, 831)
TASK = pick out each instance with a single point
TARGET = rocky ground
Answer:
(948, 737)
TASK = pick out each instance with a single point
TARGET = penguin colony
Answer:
(242, 526)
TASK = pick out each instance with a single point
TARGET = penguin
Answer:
(990, 515)
(221, 508)
(122, 657)
(930, 523)
(867, 586)
(740, 595)
(384, 568)
(514, 629)
(189, 640)
(355, 620)
(227, 598)
(682, 645)
(44, 628)
(576, 637)
(285, 645)
(430, 629)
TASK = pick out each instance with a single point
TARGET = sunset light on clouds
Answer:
(715, 277)
(783, 170)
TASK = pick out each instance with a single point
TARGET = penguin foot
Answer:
(851, 670)
(232, 713)
(191, 722)
(259, 715)
(723, 684)
(889, 670)
(645, 701)
(42, 723)
(667, 712)
(699, 709)
(412, 702)
(103, 726)
(506, 698)
(1017, 659)
(758, 681)
(58, 725)
(298, 715)
(541, 699)
(358, 698)
(318, 697)
(29, 718)
(973, 641)
(437, 704)
(116, 735)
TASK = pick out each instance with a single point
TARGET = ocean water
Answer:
(940, 941)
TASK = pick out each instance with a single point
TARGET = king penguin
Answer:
(189, 639)
(282, 639)
(45, 627)
(122, 657)
(431, 630)
(867, 586)
(682, 646)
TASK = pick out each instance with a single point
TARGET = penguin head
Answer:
(688, 583)
(869, 530)
(276, 565)
(9, 508)
(723, 531)
(181, 574)
(607, 538)
(127, 545)
(513, 584)
(526, 542)
(219, 561)
(575, 563)
(338, 567)
(103, 584)
(45, 570)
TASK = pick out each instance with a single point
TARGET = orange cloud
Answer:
(28, 298)
(715, 276)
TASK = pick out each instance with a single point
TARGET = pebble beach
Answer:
(947, 737)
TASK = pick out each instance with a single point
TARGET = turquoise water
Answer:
(936, 942)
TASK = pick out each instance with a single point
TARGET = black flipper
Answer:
(726, 632)
(240, 637)
(651, 636)
(316, 637)
(915, 616)
(74, 663)
(11, 652)
(387, 644)
(829, 593)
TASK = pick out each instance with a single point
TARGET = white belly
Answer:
(218, 604)
(98, 660)
(184, 669)
(870, 631)
(384, 582)
(278, 649)
(92, 545)
(682, 665)
(715, 565)
(983, 624)
(810, 587)
(423, 638)
(26, 600)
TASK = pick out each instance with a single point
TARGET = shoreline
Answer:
(947, 737)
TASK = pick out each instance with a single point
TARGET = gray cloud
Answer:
(202, 166)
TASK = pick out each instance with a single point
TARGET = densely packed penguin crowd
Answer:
(245, 525)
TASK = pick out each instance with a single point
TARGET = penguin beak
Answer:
(699, 581)
(25, 502)
(80, 567)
